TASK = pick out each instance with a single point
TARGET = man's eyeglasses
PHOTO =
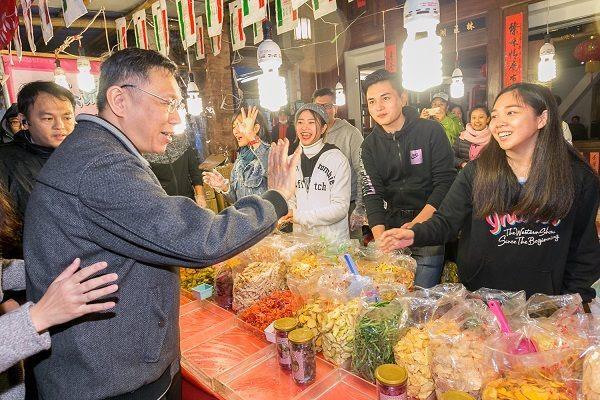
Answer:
(172, 103)
(327, 106)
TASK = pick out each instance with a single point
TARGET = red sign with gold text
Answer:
(513, 49)
(391, 57)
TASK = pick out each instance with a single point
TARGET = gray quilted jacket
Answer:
(96, 198)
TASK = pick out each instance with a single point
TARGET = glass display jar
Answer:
(282, 327)
(303, 355)
(391, 382)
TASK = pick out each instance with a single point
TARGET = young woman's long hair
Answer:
(10, 223)
(549, 191)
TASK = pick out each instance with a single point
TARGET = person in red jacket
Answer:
(526, 207)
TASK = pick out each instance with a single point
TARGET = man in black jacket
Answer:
(48, 110)
(408, 166)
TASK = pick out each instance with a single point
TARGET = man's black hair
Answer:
(379, 76)
(131, 65)
(31, 90)
(323, 92)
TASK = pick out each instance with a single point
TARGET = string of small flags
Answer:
(192, 28)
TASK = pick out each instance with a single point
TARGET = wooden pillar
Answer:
(218, 86)
(494, 54)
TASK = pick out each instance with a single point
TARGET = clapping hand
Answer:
(215, 180)
(282, 169)
(246, 127)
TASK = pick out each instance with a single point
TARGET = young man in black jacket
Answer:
(48, 113)
(408, 167)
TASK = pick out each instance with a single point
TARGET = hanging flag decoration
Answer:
(323, 7)
(287, 17)
(139, 27)
(9, 22)
(236, 25)
(187, 22)
(72, 9)
(215, 44)
(257, 32)
(161, 26)
(200, 51)
(17, 42)
(26, 7)
(121, 25)
(254, 11)
(47, 30)
(214, 17)
(297, 3)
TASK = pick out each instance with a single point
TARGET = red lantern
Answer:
(9, 21)
(588, 52)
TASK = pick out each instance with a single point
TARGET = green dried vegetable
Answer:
(377, 332)
(190, 277)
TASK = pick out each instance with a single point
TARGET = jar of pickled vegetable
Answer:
(303, 355)
(282, 327)
(391, 382)
(456, 395)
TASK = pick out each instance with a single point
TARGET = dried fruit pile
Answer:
(279, 304)
(338, 332)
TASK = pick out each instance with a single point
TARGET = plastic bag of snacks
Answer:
(377, 331)
(256, 281)
(412, 349)
(192, 277)
(457, 347)
(513, 303)
(553, 374)
(277, 305)
(397, 267)
(304, 272)
(223, 288)
(338, 325)
(542, 305)
(311, 314)
(591, 374)
(338, 329)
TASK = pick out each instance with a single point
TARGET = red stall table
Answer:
(224, 358)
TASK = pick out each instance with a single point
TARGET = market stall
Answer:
(504, 345)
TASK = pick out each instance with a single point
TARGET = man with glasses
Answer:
(348, 139)
(48, 113)
(97, 198)
(10, 124)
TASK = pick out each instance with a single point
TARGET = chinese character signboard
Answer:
(513, 49)
(391, 58)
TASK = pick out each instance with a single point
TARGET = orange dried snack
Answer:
(533, 386)
(279, 304)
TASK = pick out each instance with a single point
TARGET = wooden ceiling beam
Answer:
(77, 24)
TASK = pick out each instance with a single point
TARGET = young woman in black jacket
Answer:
(526, 207)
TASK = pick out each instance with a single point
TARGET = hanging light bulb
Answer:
(85, 79)
(422, 50)
(194, 101)
(181, 126)
(340, 96)
(272, 90)
(60, 78)
(457, 87)
(547, 65)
